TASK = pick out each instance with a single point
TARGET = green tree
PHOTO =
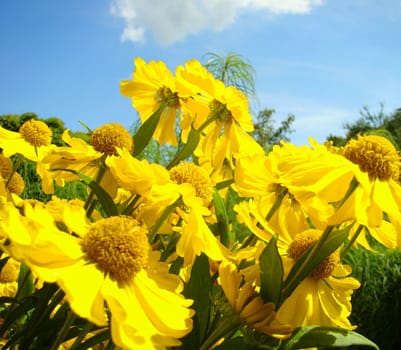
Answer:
(10, 121)
(266, 133)
(57, 127)
(378, 123)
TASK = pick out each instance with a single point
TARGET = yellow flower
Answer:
(111, 264)
(152, 86)
(379, 192)
(85, 158)
(324, 297)
(32, 141)
(108, 137)
(293, 175)
(248, 305)
(134, 175)
(11, 183)
(221, 113)
(9, 278)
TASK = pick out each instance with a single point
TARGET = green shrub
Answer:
(376, 305)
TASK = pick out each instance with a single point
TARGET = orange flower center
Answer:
(375, 155)
(302, 242)
(197, 177)
(37, 133)
(118, 245)
(106, 138)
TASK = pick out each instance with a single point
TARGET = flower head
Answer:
(108, 137)
(197, 177)
(118, 246)
(110, 264)
(221, 113)
(151, 87)
(375, 155)
(36, 132)
(33, 140)
(9, 278)
(377, 198)
(248, 304)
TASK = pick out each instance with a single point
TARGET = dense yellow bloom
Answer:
(152, 86)
(220, 112)
(159, 189)
(111, 263)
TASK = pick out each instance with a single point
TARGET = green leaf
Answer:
(146, 131)
(198, 289)
(104, 198)
(25, 282)
(305, 264)
(222, 218)
(271, 273)
(315, 336)
(187, 150)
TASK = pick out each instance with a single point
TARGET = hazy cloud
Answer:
(171, 21)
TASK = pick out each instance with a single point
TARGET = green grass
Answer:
(376, 305)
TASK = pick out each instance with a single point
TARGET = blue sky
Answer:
(322, 60)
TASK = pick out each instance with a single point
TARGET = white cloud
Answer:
(172, 20)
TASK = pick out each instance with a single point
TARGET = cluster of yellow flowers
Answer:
(153, 258)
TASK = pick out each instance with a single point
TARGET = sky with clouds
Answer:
(321, 60)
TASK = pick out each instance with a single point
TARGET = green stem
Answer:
(212, 117)
(99, 176)
(352, 241)
(163, 217)
(64, 331)
(82, 334)
(298, 276)
(280, 194)
(131, 205)
(351, 188)
(17, 163)
(224, 329)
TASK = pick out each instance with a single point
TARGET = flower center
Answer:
(164, 94)
(220, 110)
(106, 138)
(6, 166)
(16, 184)
(375, 155)
(36, 132)
(118, 245)
(195, 176)
(9, 272)
(302, 242)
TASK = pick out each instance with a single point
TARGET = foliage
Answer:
(376, 306)
(267, 134)
(378, 123)
(233, 69)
